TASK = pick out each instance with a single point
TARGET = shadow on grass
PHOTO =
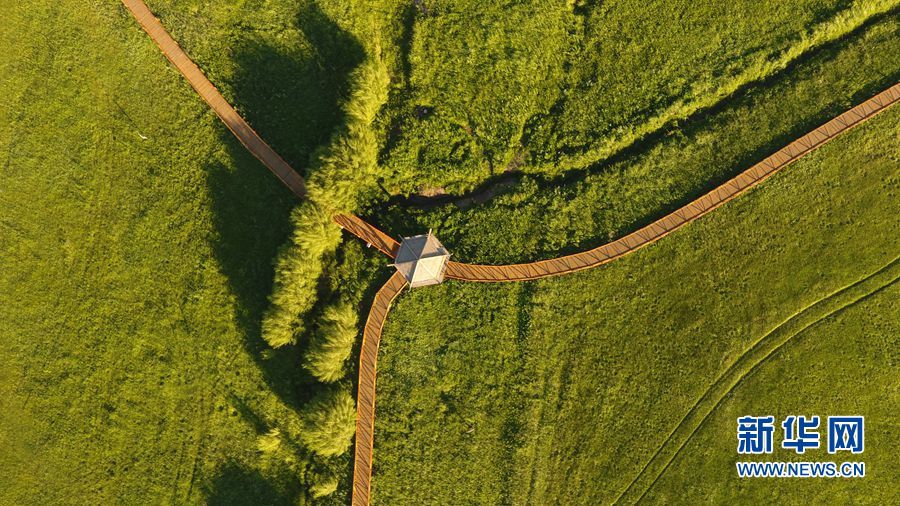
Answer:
(293, 96)
(291, 93)
(234, 484)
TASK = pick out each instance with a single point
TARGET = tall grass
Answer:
(709, 92)
(341, 177)
(332, 343)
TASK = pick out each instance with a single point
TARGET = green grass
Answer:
(135, 271)
(841, 364)
(482, 88)
(547, 87)
(137, 235)
(537, 219)
(563, 390)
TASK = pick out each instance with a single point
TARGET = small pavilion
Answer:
(422, 260)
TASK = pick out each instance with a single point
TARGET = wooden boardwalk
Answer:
(373, 237)
(365, 398)
(211, 95)
(659, 228)
(690, 212)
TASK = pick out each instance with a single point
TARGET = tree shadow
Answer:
(291, 94)
(235, 484)
(295, 97)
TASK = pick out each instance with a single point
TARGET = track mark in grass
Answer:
(757, 354)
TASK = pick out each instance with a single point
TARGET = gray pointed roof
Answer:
(422, 260)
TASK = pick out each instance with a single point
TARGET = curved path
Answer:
(570, 263)
(365, 401)
(208, 92)
(365, 422)
(678, 218)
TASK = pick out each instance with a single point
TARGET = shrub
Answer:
(332, 343)
(329, 422)
(342, 174)
(323, 484)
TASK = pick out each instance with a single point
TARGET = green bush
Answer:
(332, 342)
(329, 422)
(323, 484)
(339, 178)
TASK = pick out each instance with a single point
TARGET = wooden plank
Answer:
(715, 198)
(365, 401)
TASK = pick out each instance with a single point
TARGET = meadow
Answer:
(548, 87)
(841, 363)
(139, 239)
(573, 390)
(479, 89)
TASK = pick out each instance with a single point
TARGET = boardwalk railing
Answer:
(678, 218)
(365, 400)
(653, 232)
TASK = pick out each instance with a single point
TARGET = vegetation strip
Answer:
(757, 354)
(693, 210)
(659, 228)
(208, 92)
(471, 272)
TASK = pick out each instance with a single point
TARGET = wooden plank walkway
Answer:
(365, 400)
(659, 228)
(211, 95)
(373, 237)
(365, 422)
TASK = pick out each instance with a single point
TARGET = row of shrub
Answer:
(341, 176)
(314, 442)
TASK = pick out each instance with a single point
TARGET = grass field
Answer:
(548, 87)
(137, 235)
(534, 219)
(842, 363)
(565, 388)
(136, 238)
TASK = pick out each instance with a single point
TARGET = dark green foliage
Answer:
(341, 177)
(332, 342)
(323, 483)
(329, 422)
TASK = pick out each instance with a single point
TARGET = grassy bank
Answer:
(479, 89)
(550, 87)
(537, 219)
(138, 237)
